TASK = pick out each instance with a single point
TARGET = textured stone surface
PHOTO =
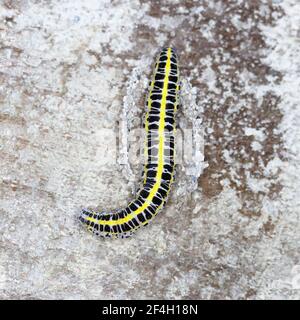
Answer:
(64, 66)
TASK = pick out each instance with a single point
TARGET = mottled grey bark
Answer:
(63, 72)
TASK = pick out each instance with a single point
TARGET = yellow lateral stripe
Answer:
(134, 229)
(145, 222)
(147, 120)
(155, 187)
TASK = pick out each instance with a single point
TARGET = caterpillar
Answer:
(158, 173)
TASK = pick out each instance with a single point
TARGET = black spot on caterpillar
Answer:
(159, 156)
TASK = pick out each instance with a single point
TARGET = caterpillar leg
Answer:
(92, 221)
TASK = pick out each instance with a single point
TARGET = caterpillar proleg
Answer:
(159, 156)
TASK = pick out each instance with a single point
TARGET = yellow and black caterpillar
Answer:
(159, 156)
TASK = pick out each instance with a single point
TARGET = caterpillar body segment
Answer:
(159, 156)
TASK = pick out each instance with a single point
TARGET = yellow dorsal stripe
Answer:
(155, 187)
